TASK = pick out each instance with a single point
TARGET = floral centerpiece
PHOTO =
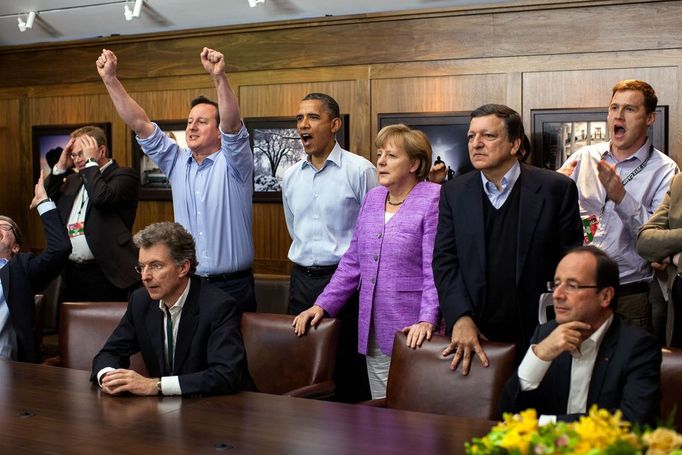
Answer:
(600, 432)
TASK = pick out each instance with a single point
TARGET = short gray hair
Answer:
(174, 236)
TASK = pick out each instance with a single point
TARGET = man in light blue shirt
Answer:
(322, 195)
(211, 181)
(620, 184)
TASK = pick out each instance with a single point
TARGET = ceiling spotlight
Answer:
(133, 13)
(253, 3)
(28, 23)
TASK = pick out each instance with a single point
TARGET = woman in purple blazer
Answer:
(389, 258)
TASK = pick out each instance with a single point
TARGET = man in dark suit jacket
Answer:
(98, 203)
(501, 231)
(22, 275)
(186, 329)
(588, 355)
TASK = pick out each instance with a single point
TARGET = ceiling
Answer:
(64, 20)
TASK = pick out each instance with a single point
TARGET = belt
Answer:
(228, 276)
(638, 287)
(82, 264)
(317, 270)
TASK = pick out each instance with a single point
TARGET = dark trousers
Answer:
(241, 289)
(676, 297)
(85, 282)
(350, 374)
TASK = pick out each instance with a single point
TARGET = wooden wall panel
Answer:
(438, 94)
(517, 29)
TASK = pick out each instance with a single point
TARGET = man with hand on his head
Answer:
(97, 199)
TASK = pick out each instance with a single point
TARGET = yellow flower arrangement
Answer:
(600, 432)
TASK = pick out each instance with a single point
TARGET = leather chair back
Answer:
(279, 361)
(671, 385)
(85, 327)
(421, 379)
(40, 317)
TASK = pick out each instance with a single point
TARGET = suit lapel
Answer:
(601, 363)
(188, 324)
(530, 207)
(154, 323)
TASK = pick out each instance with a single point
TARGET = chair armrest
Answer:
(55, 361)
(378, 403)
(320, 390)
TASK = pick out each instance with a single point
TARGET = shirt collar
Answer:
(334, 157)
(641, 154)
(106, 165)
(507, 181)
(594, 341)
(3, 262)
(177, 306)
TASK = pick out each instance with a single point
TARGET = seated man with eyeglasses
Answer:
(588, 355)
(186, 328)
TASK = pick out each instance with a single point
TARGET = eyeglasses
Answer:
(76, 155)
(151, 268)
(569, 286)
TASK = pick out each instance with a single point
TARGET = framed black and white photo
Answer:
(447, 133)
(276, 147)
(49, 142)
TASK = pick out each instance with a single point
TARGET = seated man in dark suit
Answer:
(588, 355)
(186, 329)
(22, 275)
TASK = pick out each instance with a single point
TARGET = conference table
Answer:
(46, 409)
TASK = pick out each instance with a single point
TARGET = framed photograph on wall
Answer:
(276, 147)
(558, 133)
(49, 142)
(447, 133)
(154, 184)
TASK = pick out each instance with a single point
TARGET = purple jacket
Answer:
(391, 264)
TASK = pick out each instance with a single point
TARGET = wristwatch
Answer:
(91, 160)
(158, 387)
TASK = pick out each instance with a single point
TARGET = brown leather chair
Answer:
(284, 364)
(421, 379)
(84, 328)
(671, 386)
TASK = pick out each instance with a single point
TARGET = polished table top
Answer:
(56, 410)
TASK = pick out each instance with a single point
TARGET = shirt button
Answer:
(373, 280)
(376, 258)
(379, 235)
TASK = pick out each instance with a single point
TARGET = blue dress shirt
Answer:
(498, 197)
(212, 200)
(321, 206)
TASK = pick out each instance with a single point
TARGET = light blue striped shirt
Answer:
(498, 197)
(321, 206)
(213, 200)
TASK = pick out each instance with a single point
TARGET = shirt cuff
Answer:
(102, 373)
(170, 385)
(532, 370)
(56, 170)
(233, 136)
(46, 207)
